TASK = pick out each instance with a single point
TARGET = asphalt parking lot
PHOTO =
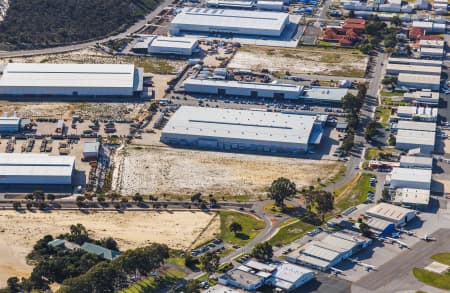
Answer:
(325, 284)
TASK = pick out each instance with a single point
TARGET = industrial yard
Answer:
(20, 231)
(301, 61)
(179, 172)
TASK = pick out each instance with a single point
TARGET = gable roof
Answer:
(100, 251)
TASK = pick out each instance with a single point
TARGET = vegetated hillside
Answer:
(45, 23)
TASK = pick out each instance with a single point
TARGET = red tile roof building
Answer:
(417, 33)
(346, 35)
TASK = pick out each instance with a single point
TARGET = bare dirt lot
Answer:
(19, 232)
(163, 170)
(300, 61)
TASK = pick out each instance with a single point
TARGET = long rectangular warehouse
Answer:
(418, 62)
(172, 45)
(36, 169)
(241, 130)
(412, 139)
(419, 81)
(395, 69)
(71, 79)
(240, 88)
(207, 20)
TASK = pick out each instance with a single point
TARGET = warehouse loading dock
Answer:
(242, 131)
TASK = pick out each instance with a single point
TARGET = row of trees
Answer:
(352, 105)
(377, 31)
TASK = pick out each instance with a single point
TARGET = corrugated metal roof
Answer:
(231, 18)
(100, 251)
(12, 121)
(68, 75)
(290, 272)
(389, 211)
(425, 138)
(281, 87)
(35, 165)
(419, 78)
(173, 42)
(242, 124)
(411, 174)
(418, 160)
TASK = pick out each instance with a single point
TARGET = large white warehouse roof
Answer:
(40, 74)
(417, 126)
(13, 167)
(388, 211)
(234, 84)
(237, 21)
(22, 76)
(411, 174)
(241, 124)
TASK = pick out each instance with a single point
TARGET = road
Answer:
(132, 29)
(367, 114)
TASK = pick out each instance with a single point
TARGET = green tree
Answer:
(13, 285)
(370, 131)
(396, 21)
(51, 197)
(78, 234)
(365, 230)
(281, 189)
(210, 262)
(192, 286)
(235, 227)
(196, 197)
(324, 203)
(392, 140)
(138, 198)
(263, 251)
(16, 205)
(39, 195)
(109, 243)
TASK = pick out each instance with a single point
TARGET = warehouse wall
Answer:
(36, 179)
(227, 144)
(67, 91)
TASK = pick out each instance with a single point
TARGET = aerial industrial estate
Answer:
(231, 146)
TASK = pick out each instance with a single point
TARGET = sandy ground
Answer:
(19, 232)
(164, 170)
(298, 61)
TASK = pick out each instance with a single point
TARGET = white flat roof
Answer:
(417, 111)
(411, 174)
(434, 43)
(424, 161)
(281, 87)
(241, 124)
(290, 272)
(415, 125)
(414, 196)
(318, 249)
(313, 260)
(432, 51)
(419, 78)
(67, 75)
(389, 211)
(231, 18)
(173, 42)
(259, 266)
(325, 93)
(425, 138)
(337, 244)
(9, 120)
(414, 68)
(415, 61)
(35, 165)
